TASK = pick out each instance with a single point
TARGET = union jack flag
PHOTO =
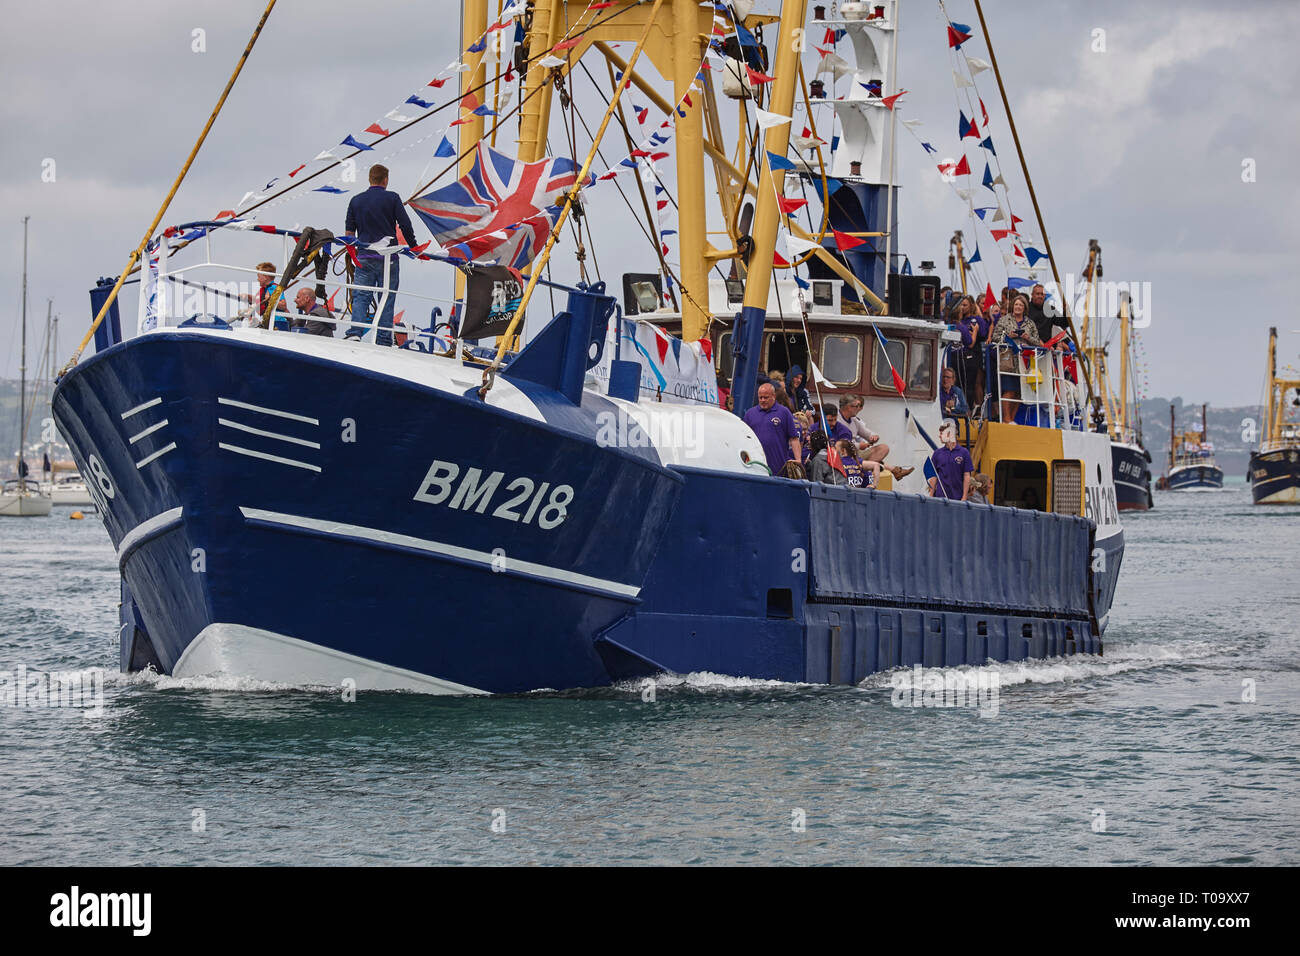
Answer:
(500, 211)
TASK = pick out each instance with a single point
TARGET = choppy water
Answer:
(1155, 735)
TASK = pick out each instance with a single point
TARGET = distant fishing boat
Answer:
(22, 497)
(1130, 461)
(1275, 467)
(1191, 458)
(575, 507)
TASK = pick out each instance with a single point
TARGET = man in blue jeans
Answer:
(373, 216)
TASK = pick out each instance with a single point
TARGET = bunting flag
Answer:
(789, 205)
(778, 259)
(889, 101)
(988, 179)
(928, 148)
(958, 33)
(377, 129)
(999, 234)
(438, 83)
(775, 162)
(987, 143)
(984, 110)
(977, 65)
(416, 101)
(990, 299)
(797, 245)
(756, 78)
(975, 258)
(350, 141)
(328, 189)
(832, 454)
(983, 209)
(962, 168)
(641, 113)
(768, 120)
(296, 171)
(960, 81)
(1033, 255)
(966, 128)
(444, 150)
(844, 241)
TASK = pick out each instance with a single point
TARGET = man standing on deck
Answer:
(776, 430)
(952, 466)
(374, 216)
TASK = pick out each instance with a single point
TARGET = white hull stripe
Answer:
(485, 558)
(148, 431)
(1268, 481)
(238, 651)
(267, 411)
(139, 408)
(145, 529)
(156, 455)
(265, 434)
(275, 458)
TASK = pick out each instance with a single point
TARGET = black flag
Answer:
(492, 294)
(22, 468)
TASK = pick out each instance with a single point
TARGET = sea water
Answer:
(1178, 746)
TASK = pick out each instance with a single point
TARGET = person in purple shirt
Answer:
(952, 466)
(835, 428)
(776, 430)
(373, 216)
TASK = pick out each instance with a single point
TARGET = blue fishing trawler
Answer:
(1275, 464)
(1192, 466)
(574, 506)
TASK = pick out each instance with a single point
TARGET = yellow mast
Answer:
(767, 214)
(535, 115)
(688, 51)
(473, 26)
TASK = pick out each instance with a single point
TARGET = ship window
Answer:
(786, 349)
(722, 353)
(1020, 484)
(1067, 487)
(842, 359)
(920, 370)
(897, 351)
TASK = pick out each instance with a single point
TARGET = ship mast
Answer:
(22, 373)
(1121, 408)
(1272, 421)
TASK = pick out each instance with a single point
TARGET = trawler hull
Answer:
(1275, 477)
(1131, 471)
(1195, 477)
(237, 480)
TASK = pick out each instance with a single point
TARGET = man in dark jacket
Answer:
(374, 216)
(798, 392)
(307, 305)
(1038, 315)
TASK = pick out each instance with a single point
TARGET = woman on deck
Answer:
(1014, 329)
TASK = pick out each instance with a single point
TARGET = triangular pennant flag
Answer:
(928, 148)
(988, 178)
(377, 129)
(298, 170)
(797, 245)
(484, 110)
(975, 258)
(990, 299)
(775, 162)
(327, 189)
(438, 83)
(912, 123)
(960, 81)
(846, 242)
(416, 101)
(984, 110)
(789, 204)
(963, 194)
(976, 65)
(987, 143)
(767, 120)
(889, 101)
(962, 168)
(444, 149)
(567, 44)
(999, 234)
(324, 154)
(1033, 255)
(982, 210)
(958, 33)
(756, 78)
(469, 101)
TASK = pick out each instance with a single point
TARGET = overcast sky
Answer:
(1140, 146)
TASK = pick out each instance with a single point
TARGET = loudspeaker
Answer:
(914, 297)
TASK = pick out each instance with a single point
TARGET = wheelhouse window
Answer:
(913, 357)
(842, 359)
(880, 374)
(722, 355)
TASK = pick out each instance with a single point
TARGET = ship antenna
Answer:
(162, 210)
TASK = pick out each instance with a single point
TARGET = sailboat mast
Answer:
(1172, 436)
(22, 371)
(1272, 422)
(1205, 425)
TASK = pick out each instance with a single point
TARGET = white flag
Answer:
(977, 65)
(767, 120)
(912, 123)
(960, 80)
(797, 245)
